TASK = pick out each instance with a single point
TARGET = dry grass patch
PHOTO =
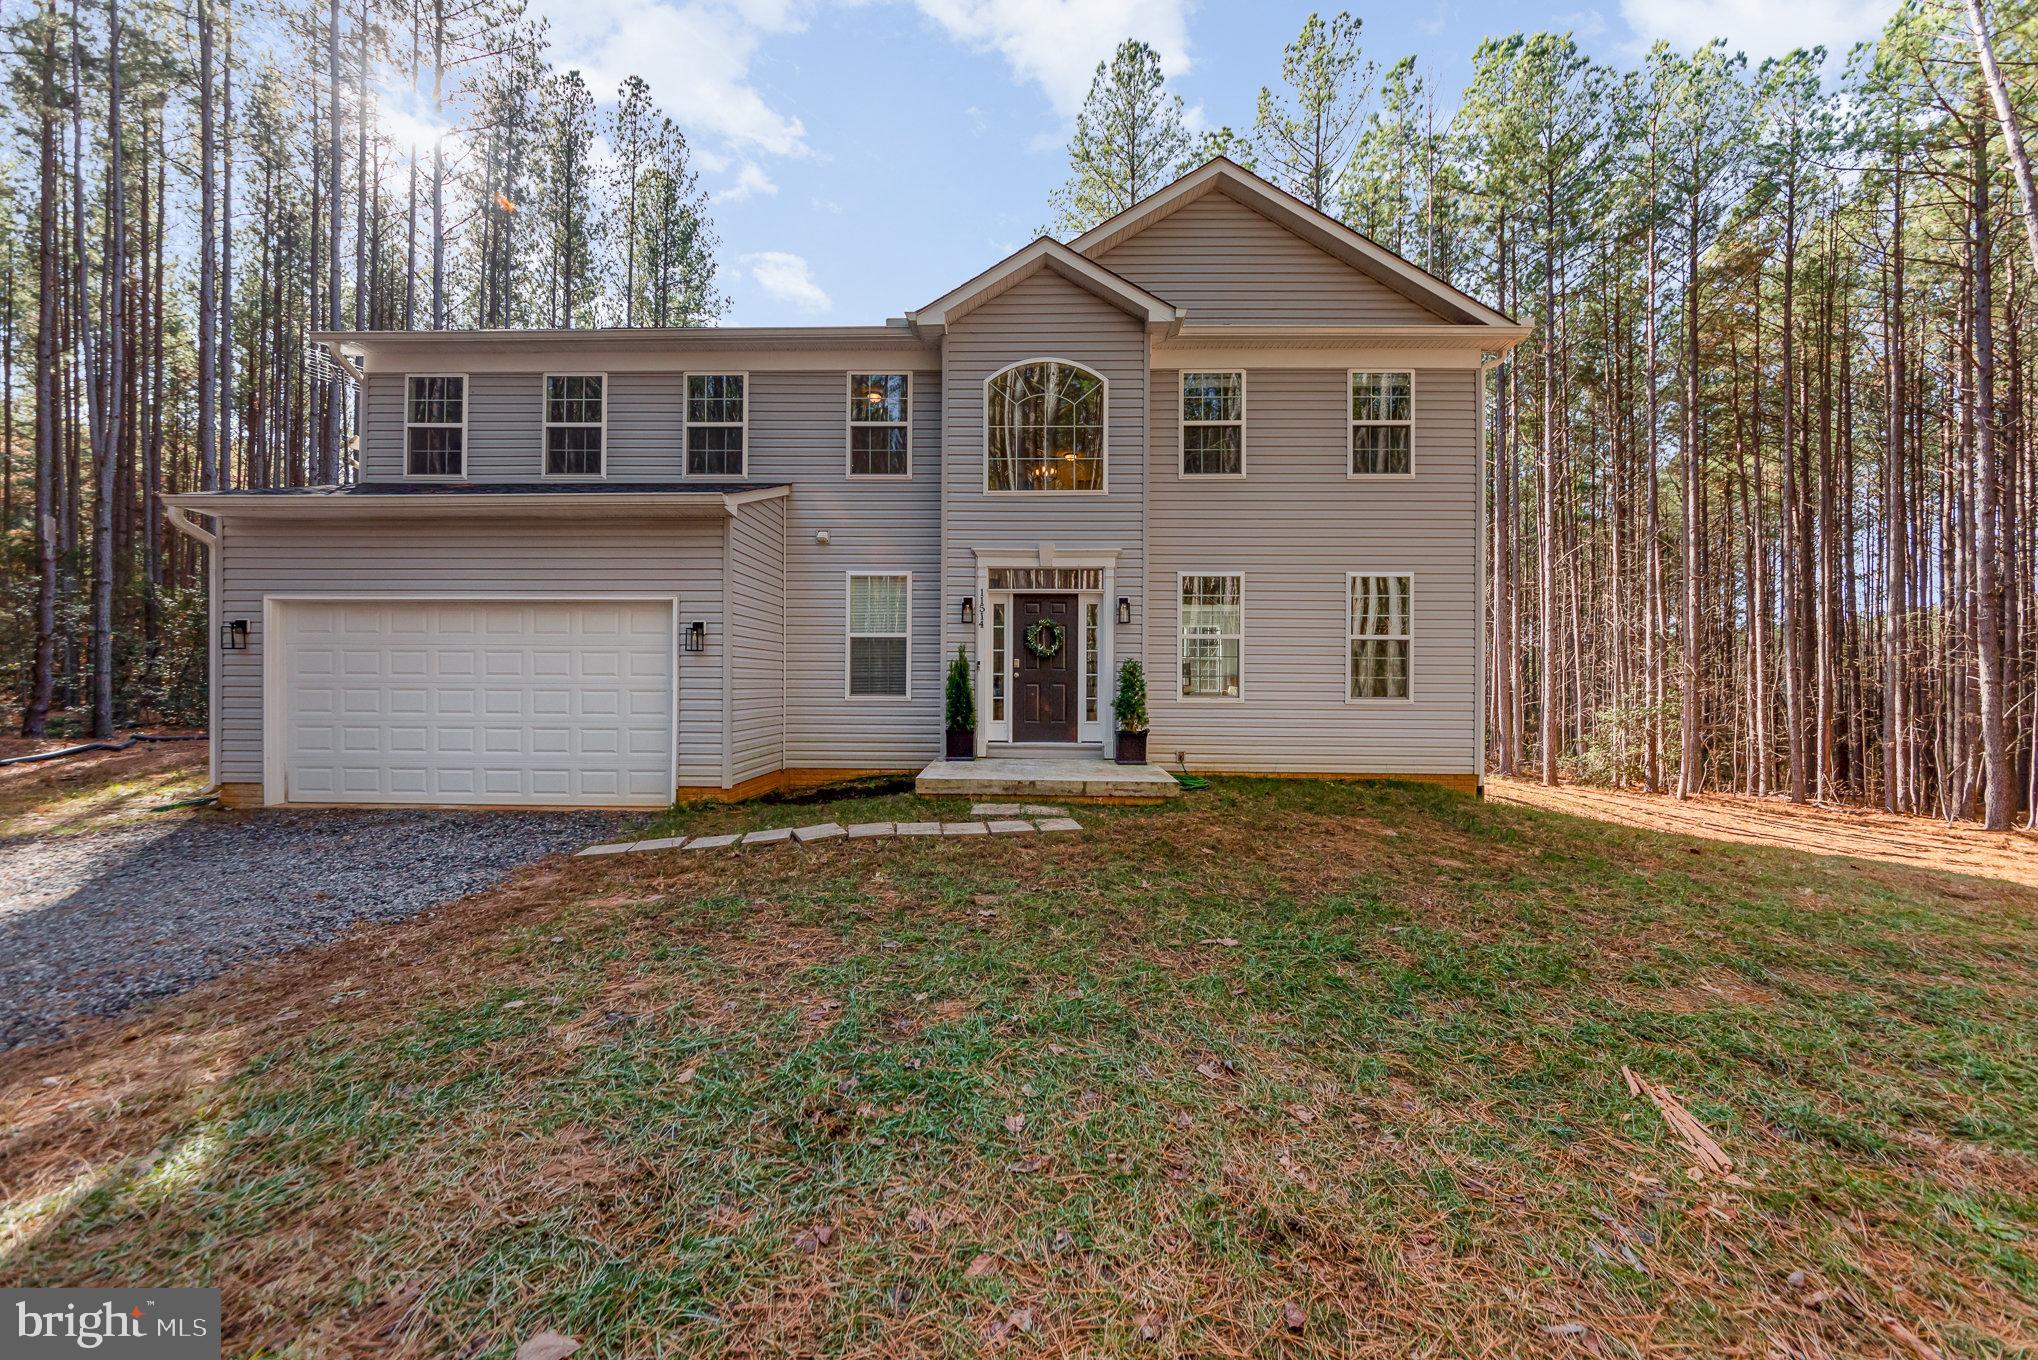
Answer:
(1304, 1069)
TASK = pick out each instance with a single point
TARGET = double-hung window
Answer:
(1383, 424)
(1213, 424)
(576, 407)
(1213, 635)
(1381, 636)
(715, 424)
(435, 425)
(880, 428)
(880, 635)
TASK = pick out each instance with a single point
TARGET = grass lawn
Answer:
(1288, 1069)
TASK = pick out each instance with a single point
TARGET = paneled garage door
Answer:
(489, 702)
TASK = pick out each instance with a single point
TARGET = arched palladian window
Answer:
(1046, 424)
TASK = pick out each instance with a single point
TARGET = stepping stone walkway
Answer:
(1038, 819)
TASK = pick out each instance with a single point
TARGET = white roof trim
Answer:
(1046, 253)
(1284, 209)
(332, 505)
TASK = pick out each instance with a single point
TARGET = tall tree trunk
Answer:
(1999, 799)
(48, 413)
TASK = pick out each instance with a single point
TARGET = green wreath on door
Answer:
(1044, 638)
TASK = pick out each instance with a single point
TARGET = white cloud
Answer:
(705, 45)
(751, 181)
(784, 276)
(1057, 44)
(1761, 28)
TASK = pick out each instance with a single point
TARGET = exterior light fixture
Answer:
(1125, 609)
(969, 610)
(697, 636)
(233, 635)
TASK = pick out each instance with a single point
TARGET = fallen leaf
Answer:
(1028, 1166)
(1056, 1049)
(1225, 940)
(547, 1345)
(1022, 1320)
(1014, 1123)
(1183, 1119)
(813, 1239)
(686, 1074)
(1062, 1241)
(1149, 1326)
(1302, 1114)
(1210, 1070)
(1565, 1329)
(1293, 1316)
(983, 1265)
(926, 1220)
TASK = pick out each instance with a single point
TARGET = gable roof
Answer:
(1046, 253)
(1326, 233)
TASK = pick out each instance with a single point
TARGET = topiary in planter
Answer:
(1131, 712)
(960, 705)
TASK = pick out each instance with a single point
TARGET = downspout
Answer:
(180, 520)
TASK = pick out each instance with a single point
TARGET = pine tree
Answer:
(1129, 140)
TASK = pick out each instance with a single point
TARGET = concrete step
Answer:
(1066, 777)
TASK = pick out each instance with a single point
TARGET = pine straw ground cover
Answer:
(1289, 1069)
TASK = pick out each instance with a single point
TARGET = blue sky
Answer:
(863, 157)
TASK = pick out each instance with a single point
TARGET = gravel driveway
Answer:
(95, 923)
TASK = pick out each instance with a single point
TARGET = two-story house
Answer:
(1220, 432)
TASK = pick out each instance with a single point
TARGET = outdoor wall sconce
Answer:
(697, 636)
(233, 635)
(1125, 609)
(969, 610)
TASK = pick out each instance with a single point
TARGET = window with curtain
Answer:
(1213, 424)
(1383, 424)
(880, 621)
(714, 424)
(1213, 635)
(435, 425)
(573, 425)
(880, 429)
(1381, 636)
(1045, 424)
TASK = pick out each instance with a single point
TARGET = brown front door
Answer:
(1044, 687)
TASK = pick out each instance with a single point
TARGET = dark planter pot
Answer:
(1132, 748)
(962, 743)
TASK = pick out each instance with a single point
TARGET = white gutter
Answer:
(336, 504)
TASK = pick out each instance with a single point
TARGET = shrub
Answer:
(1131, 705)
(961, 702)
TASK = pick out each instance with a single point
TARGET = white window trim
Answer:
(1351, 426)
(686, 423)
(1182, 424)
(850, 422)
(1104, 445)
(466, 391)
(1374, 699)
(848, 591)
(546, 423)
(1181, 639)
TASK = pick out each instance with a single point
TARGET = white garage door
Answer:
(566, 702)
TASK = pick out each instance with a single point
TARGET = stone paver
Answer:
(822, 832)
(615, 848)
(662, 843)
(1041, 810)
(1059, 824)
(1009, 826)
(964, 829)
(712, 842)
(919, 828)
(863, 831)
(771, 837)
(994, 809)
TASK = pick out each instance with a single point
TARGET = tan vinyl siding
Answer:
(1294, 526)
(1228, 265)
(799, 433)
(756, 607)
(1042, 317)
(512, 556)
